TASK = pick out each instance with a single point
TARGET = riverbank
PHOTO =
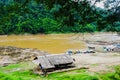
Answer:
(60, 43)
(29, 45)
(12, 55)
(17, 61)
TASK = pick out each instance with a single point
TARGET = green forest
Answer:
(58, 16)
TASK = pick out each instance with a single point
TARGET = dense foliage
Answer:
(47, 16)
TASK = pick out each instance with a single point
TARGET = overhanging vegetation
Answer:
(49, 16)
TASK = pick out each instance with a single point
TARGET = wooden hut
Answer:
(53, 61)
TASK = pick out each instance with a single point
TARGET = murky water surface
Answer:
(52, 43)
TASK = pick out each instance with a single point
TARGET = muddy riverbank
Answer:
(31, 46)
(10, 54)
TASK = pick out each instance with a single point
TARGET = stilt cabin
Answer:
(53, 61)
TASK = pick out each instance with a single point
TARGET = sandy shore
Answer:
(97, 62)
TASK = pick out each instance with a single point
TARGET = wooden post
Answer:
(43, 70)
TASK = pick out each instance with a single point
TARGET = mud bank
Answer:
(10, 54)
(104, 39)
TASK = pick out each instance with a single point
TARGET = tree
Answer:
(43, 16)
(113, 9)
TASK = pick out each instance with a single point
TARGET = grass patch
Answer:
(81, 74)
(25, 75)
(95, 64)
(111, 75)
(29, 75)
(13, 67)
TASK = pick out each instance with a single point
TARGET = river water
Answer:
(52, 43)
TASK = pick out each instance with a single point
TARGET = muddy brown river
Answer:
(52, 43)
